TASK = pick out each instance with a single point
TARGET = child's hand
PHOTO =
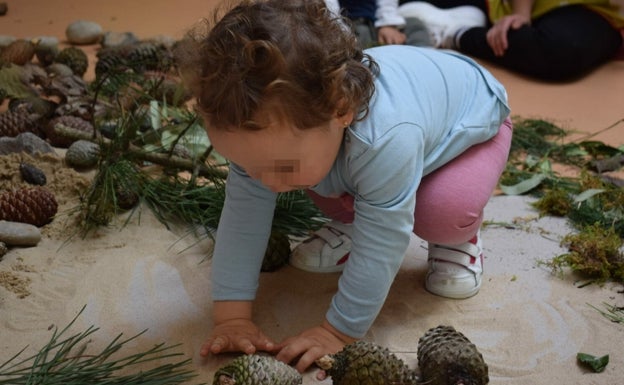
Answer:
(390, 35)
(236, 335)
(311, 345)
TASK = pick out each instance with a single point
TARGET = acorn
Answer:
(33, 205)
(32, 175)
(18, 52)
(74, 58)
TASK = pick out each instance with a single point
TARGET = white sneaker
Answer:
(326, 251)
(455, 271)
(443, 24)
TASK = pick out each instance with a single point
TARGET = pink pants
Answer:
(450, 200)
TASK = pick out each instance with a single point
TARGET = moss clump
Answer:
(555, 202)
(594, 253)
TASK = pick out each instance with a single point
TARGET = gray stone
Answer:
(25, 142)
(47, 41)
(5, 40)
(83, 32)
(19, 234)
(118, 39)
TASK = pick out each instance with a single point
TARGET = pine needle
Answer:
(66, 361)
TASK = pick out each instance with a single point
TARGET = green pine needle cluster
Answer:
(67, 360)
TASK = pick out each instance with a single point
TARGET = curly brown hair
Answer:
(292, 54)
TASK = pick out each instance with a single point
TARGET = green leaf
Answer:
(597, 364)
(585, 195)
(524, 186)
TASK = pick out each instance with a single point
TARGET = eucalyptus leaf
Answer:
(585, 195)
(597, 364)
(524, 186)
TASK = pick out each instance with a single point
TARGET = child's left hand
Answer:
(311, 345)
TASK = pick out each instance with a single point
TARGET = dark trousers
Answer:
(564, 44)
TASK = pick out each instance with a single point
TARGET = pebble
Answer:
(83, 32)
(19, 234)
(46, 40)
(5, 40)
(4, 8)
(25, 142)
(118, 39)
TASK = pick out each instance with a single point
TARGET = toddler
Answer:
(388, 141)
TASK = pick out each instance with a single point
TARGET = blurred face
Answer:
(283, 158)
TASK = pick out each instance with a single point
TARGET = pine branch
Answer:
(66, 360)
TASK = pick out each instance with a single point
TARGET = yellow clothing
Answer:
(612, 10)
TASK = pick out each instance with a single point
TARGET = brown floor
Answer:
(588, 105)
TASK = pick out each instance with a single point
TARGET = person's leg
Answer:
(416, 33)
(449, 212)
(450, 201)
(562, 45)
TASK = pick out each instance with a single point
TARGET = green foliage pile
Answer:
(592, 202)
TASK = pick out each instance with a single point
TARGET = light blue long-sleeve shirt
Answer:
(428, 107)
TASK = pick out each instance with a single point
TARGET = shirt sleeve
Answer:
(242, 237)
(386, 177)
(387, 13)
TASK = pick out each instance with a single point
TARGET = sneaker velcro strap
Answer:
(329, 235)
(458, 254)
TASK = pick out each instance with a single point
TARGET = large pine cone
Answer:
(36, 206)
(71, 124)
(447, 357)
(254, 369)
(18, 52)
(15, 122)
(364, 362)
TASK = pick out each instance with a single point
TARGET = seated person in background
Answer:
(546, 39)
(378, 22)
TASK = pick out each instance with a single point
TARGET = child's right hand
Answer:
(236, 335)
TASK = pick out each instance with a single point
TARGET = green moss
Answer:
(594, 253)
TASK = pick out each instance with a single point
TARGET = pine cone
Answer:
(447, 357)
(253, 369)
(111, 61)
(73, 123)
(364, 362)
(18, 52)
(15, 122)
(149, 57)
(36, 206)
(277, 252)
(74, 58)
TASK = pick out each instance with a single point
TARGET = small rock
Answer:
(46, 40)
(25, 142)
(19, 234)
(83, 32)
(59, 70)
(4, 8)
(5, 40)
(118, 39)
